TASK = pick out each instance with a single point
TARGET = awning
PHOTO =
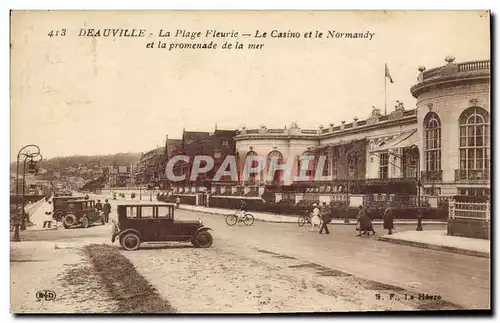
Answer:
(340, 143)
(405, 139)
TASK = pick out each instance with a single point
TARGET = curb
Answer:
(425, 245)
(294, 219)
(222, 214)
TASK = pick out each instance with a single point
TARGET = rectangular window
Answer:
(164, 212)
(132, 212)
(147, 212)
(225, 143)
(326, 168)
(384, 166)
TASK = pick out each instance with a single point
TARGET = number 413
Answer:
(61, 32)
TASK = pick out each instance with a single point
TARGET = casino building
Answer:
(441, 147)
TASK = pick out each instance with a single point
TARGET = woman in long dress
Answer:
(315, 218)
(388, 220)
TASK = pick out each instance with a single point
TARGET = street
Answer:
(280, 267)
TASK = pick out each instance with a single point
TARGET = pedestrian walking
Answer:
(362, 221)
(315, 218)
(388, 220)
(98, 206)
(106, 208)
(48, 215)
(369, 224)
(326, 219)
(177, 202)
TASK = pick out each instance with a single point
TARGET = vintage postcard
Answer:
(250, 161)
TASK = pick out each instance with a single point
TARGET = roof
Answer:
(146, 204)
(173, 142)
(224, 133)
(194, 135)
(79, 200)
(68, 196)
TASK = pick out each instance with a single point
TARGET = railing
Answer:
(275, 182)
(433, 72)
(472, 175)
(276, 130)
(431, 176)
(472, 66)
(469, 210)
(462, 67)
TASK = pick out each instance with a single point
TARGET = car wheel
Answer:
(85, 222)
(203, 240)
(130, 241)
(69, 220)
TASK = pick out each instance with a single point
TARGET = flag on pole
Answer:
(387, 74)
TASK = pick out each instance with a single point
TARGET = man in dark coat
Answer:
(106, 208)
(326, 218)
(388, 219)
(361, 221)
(98, 206)
(364, 222)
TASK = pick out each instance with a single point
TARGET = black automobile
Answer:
(79, 212)
(59, 205)
(155, 222)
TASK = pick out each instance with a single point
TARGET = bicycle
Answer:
(232, 219)
(303, 219)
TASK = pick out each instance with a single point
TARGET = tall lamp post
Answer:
(30, 155)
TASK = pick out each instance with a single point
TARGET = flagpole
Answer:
(385, 89)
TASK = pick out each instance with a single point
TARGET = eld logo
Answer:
(47, 295)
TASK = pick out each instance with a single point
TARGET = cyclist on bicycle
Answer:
(243, 207)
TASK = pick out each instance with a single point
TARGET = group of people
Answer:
(104, 208)
(321, 216)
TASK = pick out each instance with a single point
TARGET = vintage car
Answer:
(58, 203)
(79, 212)
(155, 222)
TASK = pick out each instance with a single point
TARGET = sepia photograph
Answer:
(244, 162)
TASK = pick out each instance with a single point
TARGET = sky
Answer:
(76, 95)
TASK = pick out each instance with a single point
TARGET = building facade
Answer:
(454, 127)
(441, 147)
(217, 145)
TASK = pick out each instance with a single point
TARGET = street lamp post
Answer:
(30, 154)
(418, 181)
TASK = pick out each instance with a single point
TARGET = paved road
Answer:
(459, 279)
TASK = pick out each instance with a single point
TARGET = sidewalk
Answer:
(439, 240)
(268, 217)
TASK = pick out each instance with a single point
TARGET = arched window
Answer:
(276, 155)
(251, 176)
(474, 148)
(432, 133)
(311, 165)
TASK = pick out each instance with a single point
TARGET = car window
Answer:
(132, 212)
(147, 212)
(165, 212)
